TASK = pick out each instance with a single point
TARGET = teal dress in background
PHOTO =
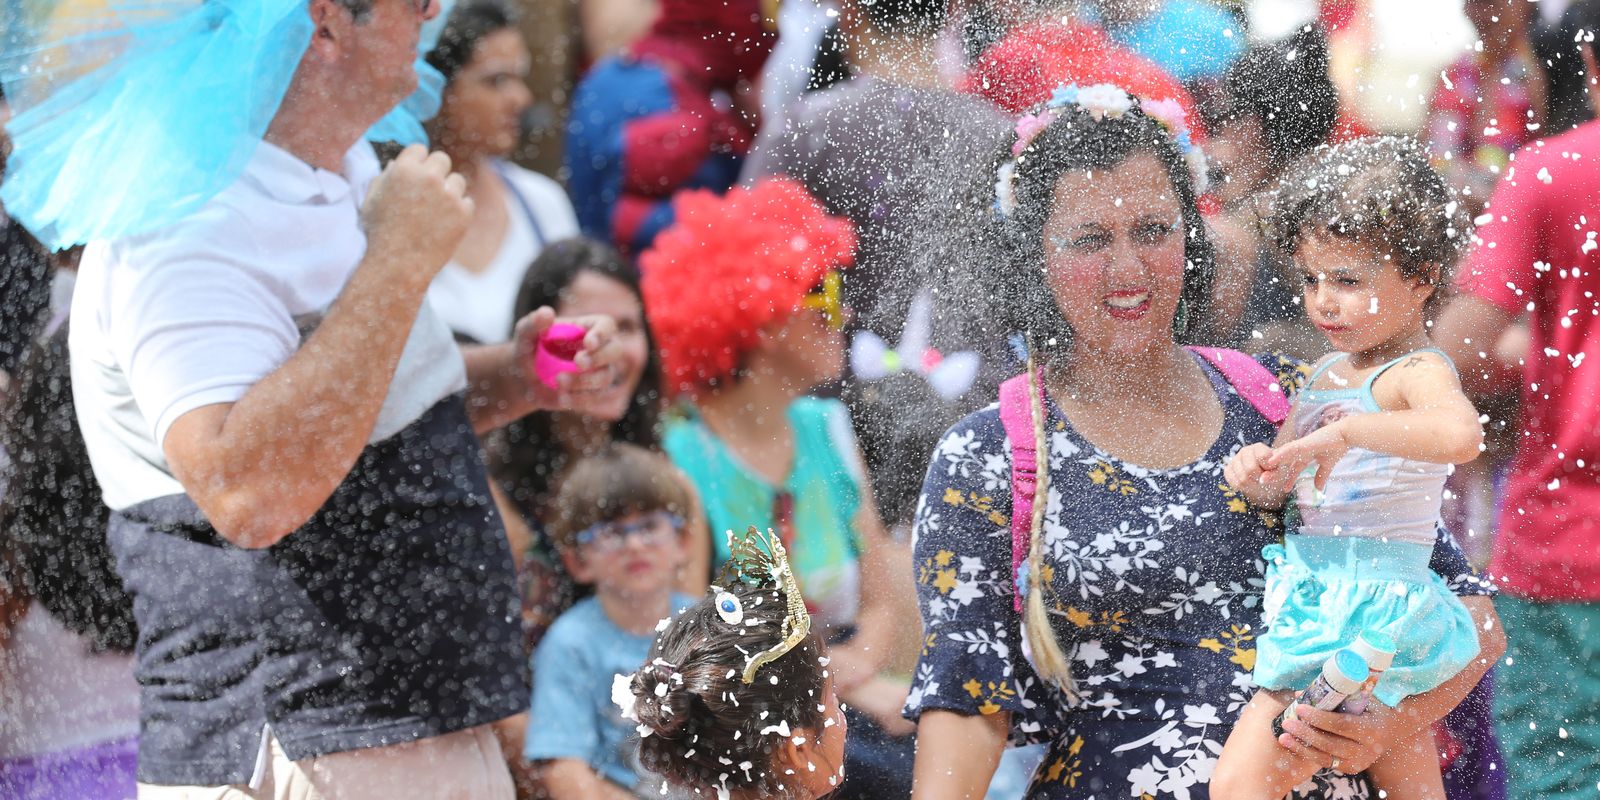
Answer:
(814, 509)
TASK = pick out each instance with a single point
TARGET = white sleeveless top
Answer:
(481, 303)
(1369, 494)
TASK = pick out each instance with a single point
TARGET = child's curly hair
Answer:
(1379, 191)
(707, 728)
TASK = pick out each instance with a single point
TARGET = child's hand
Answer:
(1324, 447)
(1253, 476)
(1246, 467)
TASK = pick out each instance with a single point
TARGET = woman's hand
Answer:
(596, 361)
(1348, 743)
(500, 382)
(1323, 447)
(1358, 739)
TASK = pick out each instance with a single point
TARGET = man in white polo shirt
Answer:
(285, 434)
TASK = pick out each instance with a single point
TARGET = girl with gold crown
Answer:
(736, 698)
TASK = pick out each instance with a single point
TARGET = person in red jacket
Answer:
(665, 116)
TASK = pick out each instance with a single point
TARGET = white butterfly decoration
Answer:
(951, 375)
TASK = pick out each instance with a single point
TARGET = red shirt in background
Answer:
(1021, 70)
(1539, 254)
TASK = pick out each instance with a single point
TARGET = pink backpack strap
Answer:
(1255, 383)
(1016, 416)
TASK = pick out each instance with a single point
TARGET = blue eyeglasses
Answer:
(655, 528)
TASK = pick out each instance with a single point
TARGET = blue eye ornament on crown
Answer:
(730, 608)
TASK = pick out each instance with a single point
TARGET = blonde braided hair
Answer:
(1049, 660)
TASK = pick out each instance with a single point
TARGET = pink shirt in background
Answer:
(1538, 255)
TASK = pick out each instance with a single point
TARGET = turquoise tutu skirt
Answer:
(1323, 591)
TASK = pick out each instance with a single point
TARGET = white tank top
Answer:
(1369, 494)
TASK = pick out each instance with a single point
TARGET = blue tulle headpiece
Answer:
(404, 123)
(131, 114)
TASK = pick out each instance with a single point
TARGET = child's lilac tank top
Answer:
(1369, 494)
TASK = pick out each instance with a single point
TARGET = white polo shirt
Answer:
(197, 312)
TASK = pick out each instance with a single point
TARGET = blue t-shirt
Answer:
(573, 716)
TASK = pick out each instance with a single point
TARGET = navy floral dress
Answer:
(1155, 577)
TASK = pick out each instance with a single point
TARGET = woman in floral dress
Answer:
(1150, 568)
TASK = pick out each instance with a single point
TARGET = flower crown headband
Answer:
(1102, 101)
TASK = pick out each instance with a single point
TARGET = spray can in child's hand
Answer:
(1378, 648)
(1342, 676)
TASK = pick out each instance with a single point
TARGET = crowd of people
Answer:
(966, 399)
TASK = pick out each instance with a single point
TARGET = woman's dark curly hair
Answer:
(1076, 141)
(524, 456)
(468, 24)
(704, 720)
(1380, 191)
(52, 519)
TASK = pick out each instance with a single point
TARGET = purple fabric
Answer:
(99, 772)
(1479, 771)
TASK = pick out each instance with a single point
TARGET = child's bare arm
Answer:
(1432, 419)
(571, 779)
(1249, 474)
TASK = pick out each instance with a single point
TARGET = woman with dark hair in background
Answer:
(69, 706)
(1276, 104)
(516, 213)
(530, 457)
(24, 278)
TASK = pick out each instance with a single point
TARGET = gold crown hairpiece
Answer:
(759, 559)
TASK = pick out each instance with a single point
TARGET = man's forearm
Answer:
(260, 467)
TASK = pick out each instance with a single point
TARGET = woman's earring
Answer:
(1180, 320)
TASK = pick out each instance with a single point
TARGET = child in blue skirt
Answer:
(1373, 231)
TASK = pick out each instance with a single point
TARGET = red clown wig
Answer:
(730, 266)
